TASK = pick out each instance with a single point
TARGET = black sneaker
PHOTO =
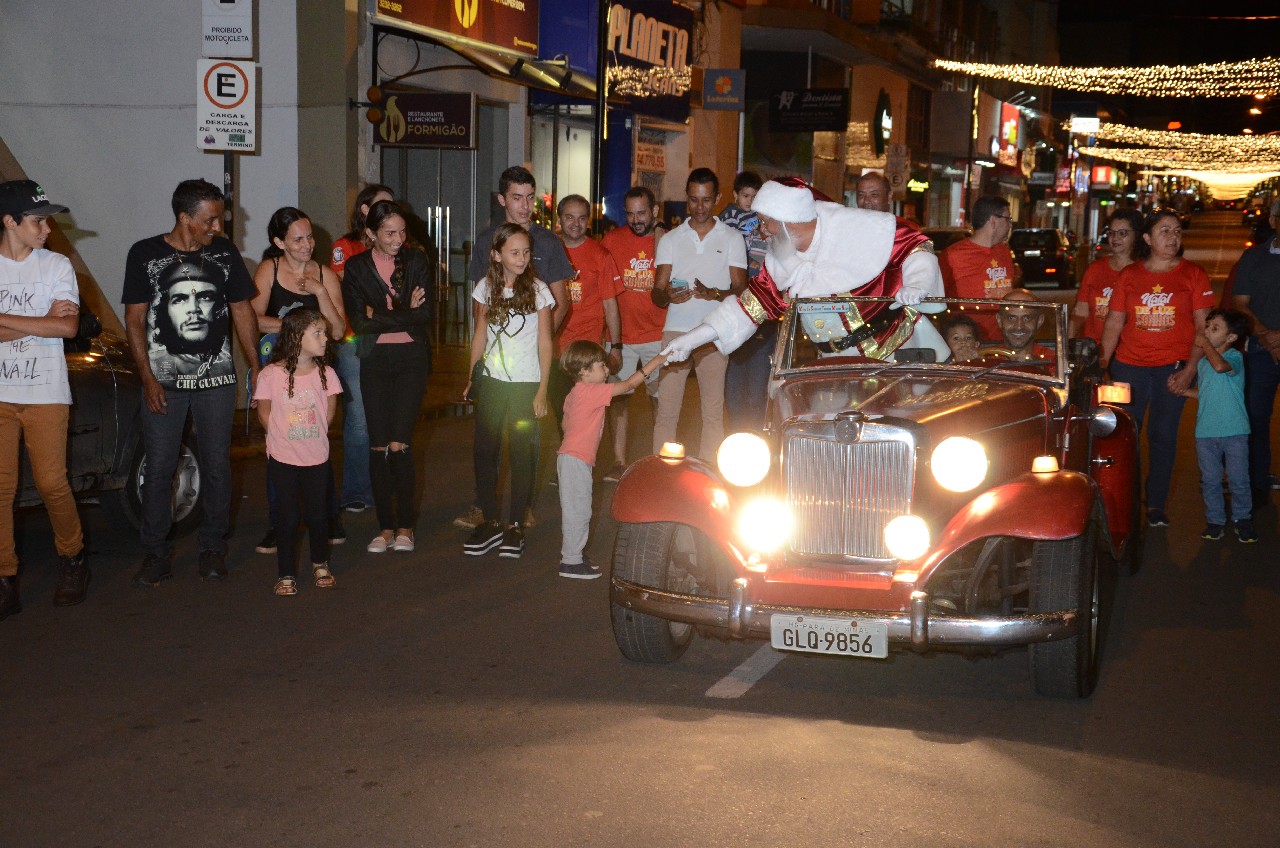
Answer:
(579, 571)
(1157, 518)
(512, 542)
(354, 506)
(73, 581)
(483, 539)
(1213, 532)
(1244, 532)
(213, 565)
(9, 600)
(337, 533)
(155, 570)
(268, 543)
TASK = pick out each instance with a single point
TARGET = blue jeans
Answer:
(211, 413)
(1262, 378)
(1232, 454)
(356, 486)
(746, 382)
(1149, 392)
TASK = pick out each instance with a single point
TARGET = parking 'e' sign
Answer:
(226, 105)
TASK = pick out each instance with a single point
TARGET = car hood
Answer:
(944, 404)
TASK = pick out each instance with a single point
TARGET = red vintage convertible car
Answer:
(980, 505)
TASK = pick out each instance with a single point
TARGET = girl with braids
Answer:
(388, 291)
(297, 395)
(513, 341)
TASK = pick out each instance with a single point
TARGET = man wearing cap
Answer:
(39, 307)
(182, 291)
(821, 249)
(1257, 294)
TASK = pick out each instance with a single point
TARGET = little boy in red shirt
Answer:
(584, 408)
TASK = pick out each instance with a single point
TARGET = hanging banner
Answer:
(433, 119)
(511, 26)
(648, 48)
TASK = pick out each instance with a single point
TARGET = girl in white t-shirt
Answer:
(513, 341)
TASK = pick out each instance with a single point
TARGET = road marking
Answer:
(736, 683)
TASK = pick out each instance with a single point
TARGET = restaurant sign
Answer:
(431, 119)
(511, 26)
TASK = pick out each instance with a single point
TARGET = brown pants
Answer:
(44, 428)
(710, 366)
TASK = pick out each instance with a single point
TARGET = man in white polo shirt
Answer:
(699, 264)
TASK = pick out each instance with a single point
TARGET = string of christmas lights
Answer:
(648, 82)
(1235, 145)
(1178, 158)
(1223, 79)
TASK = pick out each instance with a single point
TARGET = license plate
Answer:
(1031, 253)
(817, 634)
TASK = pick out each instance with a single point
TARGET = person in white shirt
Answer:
(699, 264)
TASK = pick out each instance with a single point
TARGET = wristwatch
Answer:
(615, 345)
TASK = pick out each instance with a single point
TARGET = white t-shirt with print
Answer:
(33, 369)
(512, 351)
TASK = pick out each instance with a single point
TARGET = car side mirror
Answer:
(88, 329)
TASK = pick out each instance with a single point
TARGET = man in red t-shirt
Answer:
(982, 265)
(592, 291)
(633, 248)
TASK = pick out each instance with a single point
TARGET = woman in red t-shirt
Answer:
(1158, 306)
(1100, 277)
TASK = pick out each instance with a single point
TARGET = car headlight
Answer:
(907, 537)
(743, 459)
(959, 464)
(765, 524)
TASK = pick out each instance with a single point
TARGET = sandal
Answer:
(324, 577)
(286, 586)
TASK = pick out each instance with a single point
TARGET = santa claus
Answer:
(822, 249)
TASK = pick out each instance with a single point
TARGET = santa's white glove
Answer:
(910, 296)
(681, 346)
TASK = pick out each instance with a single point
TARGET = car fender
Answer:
(1048, 507)
(683, 491)
(1116, 471)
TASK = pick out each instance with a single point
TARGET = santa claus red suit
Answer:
(844, 251)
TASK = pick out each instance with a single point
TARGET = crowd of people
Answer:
(565, 325)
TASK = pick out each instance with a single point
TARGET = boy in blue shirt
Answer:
(1222, 424)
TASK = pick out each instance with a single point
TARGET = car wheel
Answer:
(664, 556)
(1065, 575)
(125, 505)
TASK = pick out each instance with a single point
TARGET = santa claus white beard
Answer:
(781, 245)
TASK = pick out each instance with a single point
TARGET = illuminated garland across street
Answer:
(1223, 79)
(1177, 158)
(1235, 145)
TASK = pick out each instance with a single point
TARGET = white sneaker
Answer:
(402, 543)
(377, 546)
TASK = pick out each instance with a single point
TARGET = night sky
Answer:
(1144, 32)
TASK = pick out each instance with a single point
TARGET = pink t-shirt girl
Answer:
(298, 429)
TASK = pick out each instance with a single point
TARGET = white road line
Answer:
(737, 682)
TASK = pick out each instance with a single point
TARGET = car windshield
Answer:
(1033, 240)
(979, 336)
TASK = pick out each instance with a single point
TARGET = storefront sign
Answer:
(882, 123)
(649, 69)
(508, 25)
(226, 29)
(650, 157)
(434, 119)
(724, 89)
(1103, 175)
(917, 186)
(809, 110)
(1062, 185)
(226, 105)
(1010, 124)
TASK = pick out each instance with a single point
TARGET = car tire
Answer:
(124, 505)
(656, 555)
(1066, 574)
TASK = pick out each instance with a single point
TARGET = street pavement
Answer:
(434, 699)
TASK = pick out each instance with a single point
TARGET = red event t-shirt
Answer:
(1095, 290)
(584, 419)
(987, 273)
(597, 281)
(1159, 325)
(343, 249)
(642, 321)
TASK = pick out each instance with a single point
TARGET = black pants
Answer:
(302, 493)
(506, 409)
(393, 379)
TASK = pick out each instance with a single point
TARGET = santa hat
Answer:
(789, 204)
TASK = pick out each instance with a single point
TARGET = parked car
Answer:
(980, 506)
(1045, 255)
(105, 457)
(1252, 216)
(944, 237)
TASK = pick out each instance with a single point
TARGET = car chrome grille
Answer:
(843, 494)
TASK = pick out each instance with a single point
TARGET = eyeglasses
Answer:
(1111, 232)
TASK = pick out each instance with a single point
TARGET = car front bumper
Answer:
(743, 618)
